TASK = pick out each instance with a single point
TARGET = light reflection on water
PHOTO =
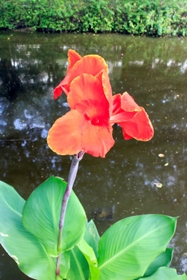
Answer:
(153, 71)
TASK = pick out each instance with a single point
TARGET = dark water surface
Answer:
(154, 72)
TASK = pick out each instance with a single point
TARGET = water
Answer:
(154, 72)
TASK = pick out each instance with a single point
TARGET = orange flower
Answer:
(88, 125)
(89, 64)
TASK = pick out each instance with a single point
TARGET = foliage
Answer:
(155, 17)
(132, 248)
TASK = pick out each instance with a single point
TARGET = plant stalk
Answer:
(71, 179)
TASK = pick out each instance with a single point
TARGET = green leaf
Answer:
(129, 246)
(79, 269)
(92, 236)
(91, 259)
(41, 216)
(82, 257)
(22, 246)
(64, 264)
(166, 273)
(164, 259)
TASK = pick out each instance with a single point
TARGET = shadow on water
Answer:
(154, 72)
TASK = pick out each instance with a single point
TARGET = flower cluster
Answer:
(93, 110)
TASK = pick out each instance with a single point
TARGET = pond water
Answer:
(154, 72)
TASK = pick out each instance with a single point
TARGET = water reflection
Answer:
(154, 71)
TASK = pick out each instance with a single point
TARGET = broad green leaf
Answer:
(166, 273)
(79, 269)
(41, 215)
(22, 246)
(92, 236)
(164, 259)
(91, 259)
(129, 246)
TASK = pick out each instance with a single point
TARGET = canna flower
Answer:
(89, 64)
(88, 126)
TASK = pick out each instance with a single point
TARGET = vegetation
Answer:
(151, 17)
(132, 248)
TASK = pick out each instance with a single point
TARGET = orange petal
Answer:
(116, 104)
(73, 57)
(89, 64)
(118, 114)
(64, 137)
(57, 92)
(63, 86)
(87, 95)
(128, 104)
(139, 127)
(106, 87)
(121, 117)
(97, 140)
(126, 136)
(73, 133)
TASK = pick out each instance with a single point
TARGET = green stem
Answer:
(71, 179)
